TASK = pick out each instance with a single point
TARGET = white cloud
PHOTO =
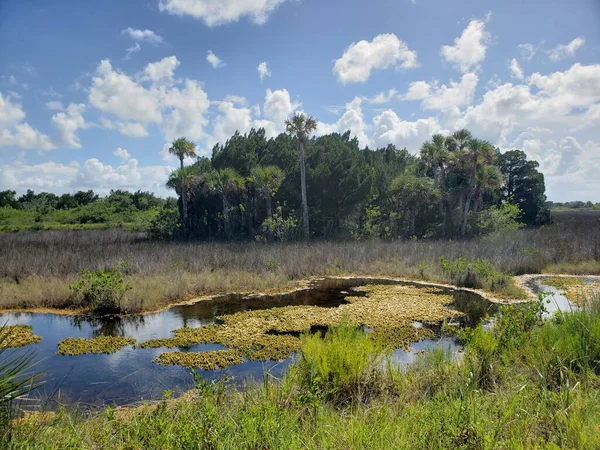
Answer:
(388, 128)
(162, 70)
(143, 35)
(446, 98)
(567, 50)
(469, 49)
(363, 57)
(352, 119)
(527, 51)
(116, 93)
(16, 133)
(230, 119)
(219, 12)
(278, 106)
(55, 105)
(122, 153)
(188, 107)
(263, 70)
(132, 129)
(131, 50)
(67, 123)
(381, 98)
(214, 60)
(515, 70)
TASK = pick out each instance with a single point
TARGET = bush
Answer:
(498, 219)
(165, 225)
(102, 290)
(341, 367)
(277, 228)
(473, 274)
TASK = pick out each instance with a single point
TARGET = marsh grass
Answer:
(36, 268)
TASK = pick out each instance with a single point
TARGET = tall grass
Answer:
(36, 267)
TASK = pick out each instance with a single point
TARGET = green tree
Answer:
(267, 180)
(182, 148)
(224, 183)
(182, 181)
(302, 127)
(410, 193)
(8, 198)
(524, 185)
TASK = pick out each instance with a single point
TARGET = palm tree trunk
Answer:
(305, 224)
(184, 211)
(470, 193)
(181, 162)
(448, 222)
(269, 207)
(226, 223)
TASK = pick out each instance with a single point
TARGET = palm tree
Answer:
(480, 153)
(268, 181)
(182, 181)
(182, 148)
(302, 127)
(435, 154)
(410, 192)
(224, 183)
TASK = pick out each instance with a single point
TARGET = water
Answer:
(556, 300)
(129, 375)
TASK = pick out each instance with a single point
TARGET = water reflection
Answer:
(129, 375)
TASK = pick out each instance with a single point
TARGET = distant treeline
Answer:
(252, 188)
(83, 209)
(573, 205)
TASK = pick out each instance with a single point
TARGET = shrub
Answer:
(498, 219)
(342, 366)
(165, 225)
(277, 228)
(478, 273)
(102, 290)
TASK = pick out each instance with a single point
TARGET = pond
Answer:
(130, 375)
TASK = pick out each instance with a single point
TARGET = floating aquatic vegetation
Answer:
(401, 336)
(102, 344)
(19, 336)
(211, 360)
(273, 333)
(574, 288)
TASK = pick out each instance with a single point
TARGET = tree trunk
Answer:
(184, 209)
(226, 223)
(448, 222)
(269, 207)
(467, 205)
(305, 225)
(181, 161)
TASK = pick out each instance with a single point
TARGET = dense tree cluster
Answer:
(258, 188)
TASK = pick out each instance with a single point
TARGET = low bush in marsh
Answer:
(102, 290)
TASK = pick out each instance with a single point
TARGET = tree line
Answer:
(296, 186)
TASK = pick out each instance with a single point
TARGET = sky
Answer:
(92, 92)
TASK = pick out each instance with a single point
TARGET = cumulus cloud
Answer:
(469, 49)
(563, 51)
(143, 35)
(68, 123)
(132, 129)
(352, 120)
(55, 105)
(361, 58)
(16, 133)
(162, 70)
(278, 106)
(381, 98)
(214, 60)
(263, 70)
(116, 93)
(515, 69)
(186, 110)
(219, 12)
(388, 128)
(122, 153)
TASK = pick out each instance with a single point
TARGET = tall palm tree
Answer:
(268, 180)
(182, 181)
(479, 153)
(182, 148)
(302, 127)
(435, 154)
(224, 182)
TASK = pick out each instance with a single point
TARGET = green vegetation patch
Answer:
(102, 344)
(19, 336)
(273, 333)
(211, 360)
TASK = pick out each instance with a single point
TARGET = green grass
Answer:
(523, 385)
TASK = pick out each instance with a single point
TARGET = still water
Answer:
(129, 375)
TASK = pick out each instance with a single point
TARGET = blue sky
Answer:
(92, 92)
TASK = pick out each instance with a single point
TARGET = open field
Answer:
(37, 267)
